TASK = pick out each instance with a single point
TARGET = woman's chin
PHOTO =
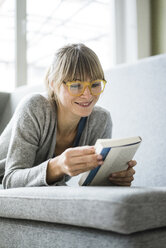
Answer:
(85, 113)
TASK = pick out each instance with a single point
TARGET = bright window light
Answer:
(50, 25)
(7, 45)
(56, 23)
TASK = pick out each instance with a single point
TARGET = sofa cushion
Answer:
(120, 209)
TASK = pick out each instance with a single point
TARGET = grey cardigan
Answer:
(28, 141)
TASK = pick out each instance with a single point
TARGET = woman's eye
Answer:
(75, 86)
(96, 85)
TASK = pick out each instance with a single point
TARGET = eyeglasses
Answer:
(77, 88)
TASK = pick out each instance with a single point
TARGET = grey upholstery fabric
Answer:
(33, 234)
(136, 97)
(119, 209)
(4, 97)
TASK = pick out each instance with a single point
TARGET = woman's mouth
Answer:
(84, 104)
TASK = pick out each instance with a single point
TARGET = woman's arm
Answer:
(28, 132)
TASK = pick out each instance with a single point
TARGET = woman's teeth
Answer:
(84, 104)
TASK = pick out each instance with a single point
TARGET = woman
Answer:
(51, 136)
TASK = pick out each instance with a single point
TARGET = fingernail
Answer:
(92, 148)
(99, 157)
(113, 174)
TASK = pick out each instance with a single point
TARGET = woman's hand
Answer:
(72, 162)
(124, 178)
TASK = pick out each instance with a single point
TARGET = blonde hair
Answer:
(73, 61)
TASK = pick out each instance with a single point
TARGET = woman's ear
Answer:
(51, 84)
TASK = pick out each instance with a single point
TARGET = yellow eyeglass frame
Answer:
(85, 84)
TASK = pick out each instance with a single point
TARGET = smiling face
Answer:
(78, 106)
(73, 62)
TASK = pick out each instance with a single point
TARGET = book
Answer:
(116, 154)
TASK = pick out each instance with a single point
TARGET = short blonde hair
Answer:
(73, 61)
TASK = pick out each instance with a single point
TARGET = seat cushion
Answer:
(120, 209)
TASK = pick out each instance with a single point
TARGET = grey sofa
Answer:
(73, 216)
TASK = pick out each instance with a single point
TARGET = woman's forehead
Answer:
(80, 80)
(86, 78)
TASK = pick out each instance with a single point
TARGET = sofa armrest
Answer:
(4, 97)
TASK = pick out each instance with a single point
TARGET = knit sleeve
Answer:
(26, 137)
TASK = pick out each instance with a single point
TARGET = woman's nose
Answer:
(86, 91)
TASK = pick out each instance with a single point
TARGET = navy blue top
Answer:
(80, 129)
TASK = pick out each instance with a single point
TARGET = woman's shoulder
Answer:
(35, 99)
(35, 106)
(100, 117)
(99, 125)
(100, 112)
(36, 102)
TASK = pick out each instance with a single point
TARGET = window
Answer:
(52, 24)
(7, 45)
(49, 25)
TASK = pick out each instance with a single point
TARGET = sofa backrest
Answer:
(8, 102)
(136, 97)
